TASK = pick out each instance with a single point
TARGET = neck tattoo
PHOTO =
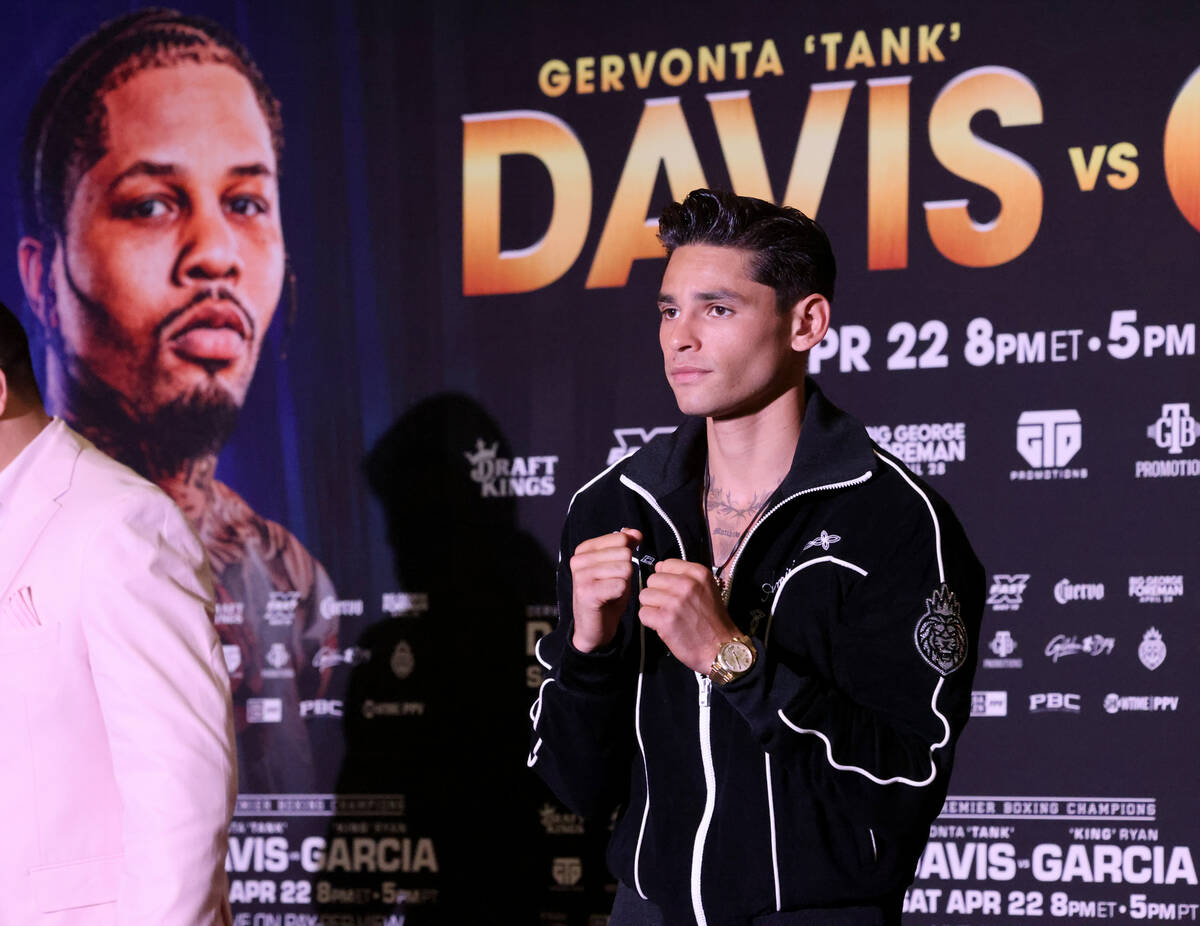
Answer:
(726, 519)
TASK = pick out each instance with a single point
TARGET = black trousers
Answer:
(630, 910)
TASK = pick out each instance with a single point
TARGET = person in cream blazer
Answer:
(117, 763)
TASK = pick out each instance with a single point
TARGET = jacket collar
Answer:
(32, 498)
(833, 449)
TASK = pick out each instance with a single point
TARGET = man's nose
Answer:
(684, 335)
(210, 248)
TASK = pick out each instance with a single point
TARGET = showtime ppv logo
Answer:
(504, 477)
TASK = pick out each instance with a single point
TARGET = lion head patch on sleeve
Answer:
(941, 636)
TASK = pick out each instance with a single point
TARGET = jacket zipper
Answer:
(710, 796)
(755, 526)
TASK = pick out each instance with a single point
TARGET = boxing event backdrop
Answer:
(469, 194)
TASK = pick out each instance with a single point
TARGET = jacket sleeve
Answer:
(583, 715)
(164, 696)
(873, 728)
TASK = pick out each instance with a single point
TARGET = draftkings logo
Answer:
(502, 477)
(1007, 591)
(560, 823)
(1048, 441)
(1174, 432)
(989, 703)
(1003, 645)
(924, 448)
(1155, 589)
(630, 440)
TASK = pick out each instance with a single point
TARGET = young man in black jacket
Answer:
(768, 625)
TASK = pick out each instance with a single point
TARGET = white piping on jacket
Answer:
(898, 779)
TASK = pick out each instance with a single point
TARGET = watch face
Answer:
(736, 656)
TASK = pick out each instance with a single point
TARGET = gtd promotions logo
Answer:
(567, 871)
(630, 440)
(1048, 441)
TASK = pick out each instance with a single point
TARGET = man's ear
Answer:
(32, 261)
(810, 321)
(3, 393)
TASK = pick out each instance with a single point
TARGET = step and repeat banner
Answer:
(432, 227)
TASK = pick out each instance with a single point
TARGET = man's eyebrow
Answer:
(156, 169)
(257, 169)
(143, 169)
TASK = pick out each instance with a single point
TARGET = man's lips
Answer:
(687, 374)
(209, 332)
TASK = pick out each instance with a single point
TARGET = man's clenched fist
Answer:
(682, 605)
(602, 580)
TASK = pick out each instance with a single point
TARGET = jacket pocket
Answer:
(76, 884)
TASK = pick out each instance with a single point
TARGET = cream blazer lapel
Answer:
(34, 501)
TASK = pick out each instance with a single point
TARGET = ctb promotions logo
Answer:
(630, 440)
(1152, 650)
(1048, 441)
(1007, 591)
(502, 477)
(1174, 432)
(1003, 645)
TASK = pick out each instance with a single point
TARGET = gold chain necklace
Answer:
(723, 586)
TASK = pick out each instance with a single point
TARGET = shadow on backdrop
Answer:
(438, 710)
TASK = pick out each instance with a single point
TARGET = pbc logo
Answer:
(321, 707)
(1176, 429)
(1007, 591)
(1049, 439)
(630, 440)
(1065, 702)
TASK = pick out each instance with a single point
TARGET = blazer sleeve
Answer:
(165, 699)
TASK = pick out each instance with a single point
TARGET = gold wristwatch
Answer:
(734, 659)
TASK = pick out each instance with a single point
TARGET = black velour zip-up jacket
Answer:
(811, 781)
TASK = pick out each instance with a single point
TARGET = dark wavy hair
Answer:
(790, 252)
(66, 132)
(15, 360)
